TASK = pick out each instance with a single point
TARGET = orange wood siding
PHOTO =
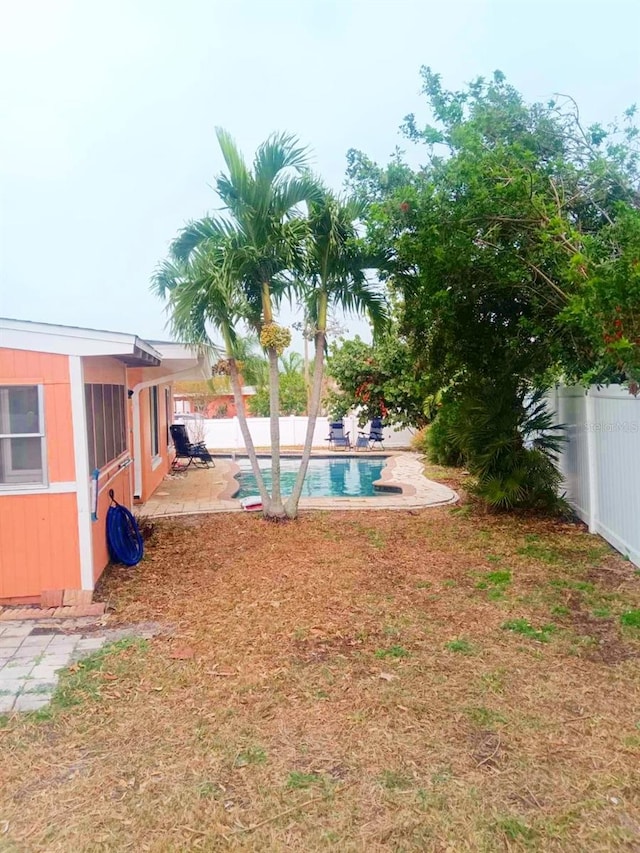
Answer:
(59, 432)
(104, 370)
(19, 367)
(39, 541)
(30, 367)
(152, 477)
(39, 532)
(121, 484)
(38, 544)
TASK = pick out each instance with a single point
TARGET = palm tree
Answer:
(291, 363)
(199, 297)
(336, 276)
(247, 249)
(252, 365)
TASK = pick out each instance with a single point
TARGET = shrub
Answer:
(419, 442)
(442, 437)
(510, 444)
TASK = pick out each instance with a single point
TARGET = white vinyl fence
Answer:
(601, 461)
(224, 433)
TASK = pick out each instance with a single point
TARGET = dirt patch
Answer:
(320, 649)
(487, 749)
(607, 645)
(612, 573)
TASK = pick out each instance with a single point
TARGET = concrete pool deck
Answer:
(211, 490)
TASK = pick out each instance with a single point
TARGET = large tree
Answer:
(380, 380)
(499, 243)
(232, 269)
(336, 277)
(229, 267)
(502, 227)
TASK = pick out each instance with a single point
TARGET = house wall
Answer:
(220, 402)
(39, 526)
(153, 468)
(109, 371)
(48, 540)
(184, 405)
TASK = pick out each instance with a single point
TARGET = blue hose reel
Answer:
(123, 534)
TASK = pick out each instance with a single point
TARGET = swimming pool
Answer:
(326, 478)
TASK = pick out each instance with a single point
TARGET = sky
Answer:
(108, 110)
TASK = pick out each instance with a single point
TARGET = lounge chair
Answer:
(338, 437)
(375, 436)
(195, 453)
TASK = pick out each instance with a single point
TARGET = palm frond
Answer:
(336, 261)
(166, 277)
(279, 152)
(212, 230)
(290, 192)
(233, 187)
(359, 296)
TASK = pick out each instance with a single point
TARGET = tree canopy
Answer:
(514, 262)
(507, 244)
(379, 380)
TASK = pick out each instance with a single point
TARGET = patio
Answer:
(199, 490)
(193, 491)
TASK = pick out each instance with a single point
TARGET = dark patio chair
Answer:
(375, 435)
(196, 454)
(338, 437)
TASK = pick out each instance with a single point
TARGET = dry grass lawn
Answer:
(441, 680)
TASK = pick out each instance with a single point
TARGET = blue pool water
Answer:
(326, 478)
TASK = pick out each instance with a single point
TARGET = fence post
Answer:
(592, 461)
(557, 419)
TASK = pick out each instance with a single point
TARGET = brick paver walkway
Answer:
(30, 658)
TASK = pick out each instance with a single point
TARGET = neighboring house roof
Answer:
(130, 349)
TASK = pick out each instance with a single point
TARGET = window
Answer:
(21, 435)
(153, 420)
(106, 423)
(167, 414)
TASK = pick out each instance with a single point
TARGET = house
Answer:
(212, 399)
(82, 412)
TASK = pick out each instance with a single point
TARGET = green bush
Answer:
(510, 445)
(442, 437)
(506, 438)
(293, 397)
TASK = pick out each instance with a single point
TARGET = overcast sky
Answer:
(108, 110)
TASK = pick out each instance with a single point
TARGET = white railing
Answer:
(224, 433)
(600, 461)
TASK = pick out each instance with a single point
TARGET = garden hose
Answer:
(123, 534)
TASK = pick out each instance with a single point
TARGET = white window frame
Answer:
(168, 407)
(5, 446)
(154, 426)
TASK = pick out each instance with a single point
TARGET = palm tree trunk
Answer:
(307, 384)
(246, 433)
(276, 509)
(291, 506)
